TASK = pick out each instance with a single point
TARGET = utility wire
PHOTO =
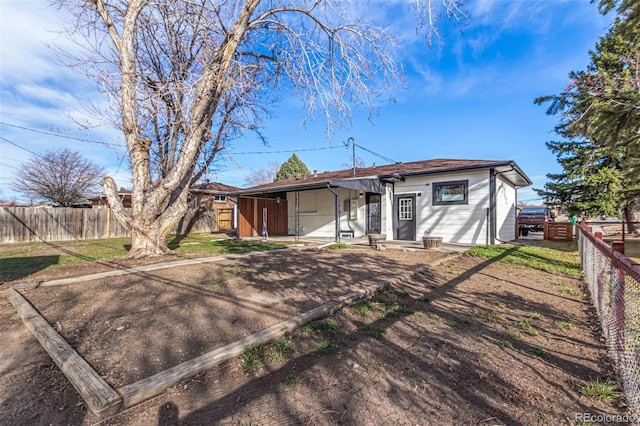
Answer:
(21, 147)
(387, 159)
(284, 151)
(58, 135)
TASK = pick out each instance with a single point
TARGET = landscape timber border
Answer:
(104, 401)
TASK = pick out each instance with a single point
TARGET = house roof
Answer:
(509, 169)
(121, 192)
(214, 188)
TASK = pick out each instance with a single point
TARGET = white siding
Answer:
(465, 224)
(321, 223)
(505, 210)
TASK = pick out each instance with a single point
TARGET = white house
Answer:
(462, 201)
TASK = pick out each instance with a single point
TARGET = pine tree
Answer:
(599, 114)
(292, 168)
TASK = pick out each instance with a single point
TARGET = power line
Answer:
(58, 135)
(387, 159)
(284, 151)
(21, 147)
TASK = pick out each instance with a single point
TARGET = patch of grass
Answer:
(328, 326)
(426, 299)
(525, 324)
(489, 316)
(221, 283)
(293, 381)
(20, 260)
(322, 347)
(225, 246)
(503, 343)
(528, 327)
(402, 293)
(433, 317)
(252, 359)
(561, 284)
(572, 292)
(280, 349)
(541, 353)
(533, 315)
(375, 332)
(513, 335)
(604, 390)
(362, 308)
(394, 309)
(553, 258)
(496, 303)
(563, 325)
(337, 246)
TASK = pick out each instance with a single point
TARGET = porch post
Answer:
(337, 219)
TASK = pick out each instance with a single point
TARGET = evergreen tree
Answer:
(292, 168)
(599, 114)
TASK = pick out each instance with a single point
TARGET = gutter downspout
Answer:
(491, 214)
(337, 212)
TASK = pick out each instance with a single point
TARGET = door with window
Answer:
(374, 222)
(405, 217)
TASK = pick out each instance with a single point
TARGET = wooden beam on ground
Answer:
(101, 398)
(155, 385)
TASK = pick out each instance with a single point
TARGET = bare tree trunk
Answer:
(185, 77)
(630, 216)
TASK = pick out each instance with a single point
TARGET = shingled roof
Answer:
(214, 187)
(438, 165)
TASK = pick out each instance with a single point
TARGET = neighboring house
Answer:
(100, 201)
(216, 196)
(462, 201)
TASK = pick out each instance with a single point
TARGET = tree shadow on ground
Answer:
(17, 268)
(437, 363)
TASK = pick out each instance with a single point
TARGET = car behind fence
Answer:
(614, 284)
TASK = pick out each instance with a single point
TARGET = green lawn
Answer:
(548, 256)
(20, 260)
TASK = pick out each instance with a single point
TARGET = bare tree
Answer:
(63, 177)
(185, 77)
(261, 176)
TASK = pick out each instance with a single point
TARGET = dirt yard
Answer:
(467, 342)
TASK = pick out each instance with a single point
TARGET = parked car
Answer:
(533, 219)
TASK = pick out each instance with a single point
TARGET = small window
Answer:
(456, 192)
(406, 208)
(219, 198)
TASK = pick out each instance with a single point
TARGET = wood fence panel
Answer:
(28, 224)
(558, 231)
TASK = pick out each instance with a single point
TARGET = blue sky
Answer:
(470, 96)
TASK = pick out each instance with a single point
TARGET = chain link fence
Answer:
(614, 284)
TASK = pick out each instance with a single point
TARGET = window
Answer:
(406, 208)
(219, 198)
(455, 192)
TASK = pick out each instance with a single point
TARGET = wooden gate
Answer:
(225, 219)
(558, 231)
(250, 217)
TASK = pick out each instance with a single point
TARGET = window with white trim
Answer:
(454, 192)
(406, 208)
(219, 198)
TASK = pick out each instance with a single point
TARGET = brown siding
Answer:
(251, 217)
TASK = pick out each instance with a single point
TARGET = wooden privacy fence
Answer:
(558, 231)
(27, 224)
